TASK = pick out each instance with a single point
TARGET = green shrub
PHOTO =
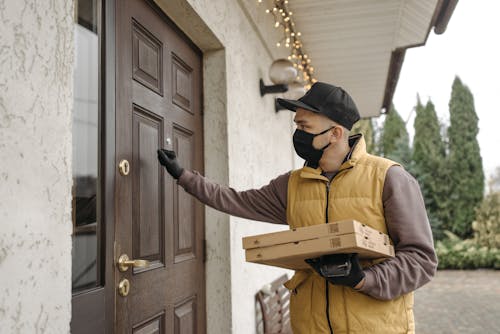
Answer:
(454, 253)
(487, 224)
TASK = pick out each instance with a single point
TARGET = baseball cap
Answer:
(329, 100)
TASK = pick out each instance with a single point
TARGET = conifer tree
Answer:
(464, 162)
(394, 140)
(428, 165)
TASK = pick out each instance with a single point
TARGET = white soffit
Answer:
(350, 42)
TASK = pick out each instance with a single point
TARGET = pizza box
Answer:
(314, 232)
(291, 255)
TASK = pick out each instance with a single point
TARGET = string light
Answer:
(283, 17)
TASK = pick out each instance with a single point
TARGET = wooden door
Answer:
(158, 104)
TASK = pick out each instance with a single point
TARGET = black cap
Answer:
(329, 100)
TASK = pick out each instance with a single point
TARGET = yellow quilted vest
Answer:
(354, 193)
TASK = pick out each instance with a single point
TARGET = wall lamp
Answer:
(283, 74)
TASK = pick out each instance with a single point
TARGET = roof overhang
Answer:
(361, 44)
(442, 15)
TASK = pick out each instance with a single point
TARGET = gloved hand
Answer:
(168, 159)
(340, 269)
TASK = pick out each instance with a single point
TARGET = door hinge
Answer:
(204, 250)
(202, 103)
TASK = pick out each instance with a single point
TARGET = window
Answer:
(86, 273)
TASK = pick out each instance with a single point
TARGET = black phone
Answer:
(338, 269)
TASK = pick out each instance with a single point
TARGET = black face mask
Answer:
(303, 143)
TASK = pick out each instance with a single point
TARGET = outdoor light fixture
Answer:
(281, 73)
(295, 91)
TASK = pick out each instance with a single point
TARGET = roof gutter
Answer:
(442, 15)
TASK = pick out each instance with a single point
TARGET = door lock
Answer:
(124, 167)
(124, 287)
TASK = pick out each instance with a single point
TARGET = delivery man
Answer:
(339, 180)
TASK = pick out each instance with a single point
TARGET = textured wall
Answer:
(36, 60)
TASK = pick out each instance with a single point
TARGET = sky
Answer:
(469, 48)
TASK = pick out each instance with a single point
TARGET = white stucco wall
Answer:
(36, 63)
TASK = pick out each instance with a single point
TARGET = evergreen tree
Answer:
(394, 140)
(429, 165)
(464, 162)
(365, 126)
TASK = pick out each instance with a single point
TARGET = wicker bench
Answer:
(272, 305)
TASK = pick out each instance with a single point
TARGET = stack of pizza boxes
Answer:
(288, 249)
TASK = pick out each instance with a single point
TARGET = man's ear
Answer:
(336, 133)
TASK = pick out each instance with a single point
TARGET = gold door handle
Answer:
(124, 263)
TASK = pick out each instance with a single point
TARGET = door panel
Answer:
(148, 192)
(158, 106)
(151, 326)
(182, 84)
(184, 203)
(185, 317)
(147, 58)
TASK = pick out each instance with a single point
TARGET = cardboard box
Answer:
(314, 232)
(289, 249)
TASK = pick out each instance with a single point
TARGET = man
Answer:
(339, 180)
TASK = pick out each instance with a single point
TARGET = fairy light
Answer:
(292, 40)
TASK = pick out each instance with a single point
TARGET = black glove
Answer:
(340, 269)
(168, 160)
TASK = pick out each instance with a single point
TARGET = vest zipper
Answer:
(326, 281)
(327, 287)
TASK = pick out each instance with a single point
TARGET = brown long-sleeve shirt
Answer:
(415, 262)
